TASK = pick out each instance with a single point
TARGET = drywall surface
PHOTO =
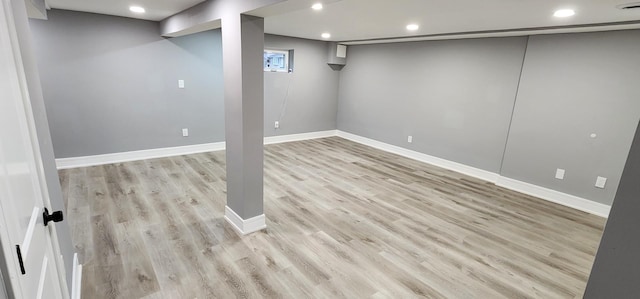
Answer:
(305, 100)
(454, 97)
(111, 84)
(5, 291)
(242, 46)
(616, 270)
(572, 86)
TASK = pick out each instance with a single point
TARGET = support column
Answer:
(242, 51)
(616, 270)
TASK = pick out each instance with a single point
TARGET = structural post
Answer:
(616, 270)
(242, 51)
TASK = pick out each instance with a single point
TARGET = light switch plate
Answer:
(600, 182)
(560, 174)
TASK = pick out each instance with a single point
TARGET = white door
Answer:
(26, 242)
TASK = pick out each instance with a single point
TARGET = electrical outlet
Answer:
(276, 124)
(560, 174)
(185, 132)
(410, 139)
(600, 182)
(180, 83)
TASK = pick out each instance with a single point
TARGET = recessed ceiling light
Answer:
(413, 27)
(326, 35)
(563, 13)
(137, 9)
(317, 6)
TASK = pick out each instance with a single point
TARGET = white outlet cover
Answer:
(600, 182)
(180, 83)
(185, 132)
(560, 174)
(410, 139)
(276, 125)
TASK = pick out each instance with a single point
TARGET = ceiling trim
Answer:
(627, 25)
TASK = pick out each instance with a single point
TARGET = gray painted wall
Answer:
(312, 99)
(111, 84)
(51, 178)
(574, 85)
(454, 97)
(242, 46)
(616, 270)
(4, 277)
(3, 292)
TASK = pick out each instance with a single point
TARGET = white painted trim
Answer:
(446, 164)
(60, 265)
(299, 137)
(242, 226)
(28, 236)
(76, 285)
(558, 197)
(498, 33)
(43, 277)
(247, 226)
(86, 161)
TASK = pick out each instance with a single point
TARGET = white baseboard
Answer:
(242, 226)
(299, 137)
(86, 161)
(446, 164)
(76, 284)
(558, 197)
(572, 201)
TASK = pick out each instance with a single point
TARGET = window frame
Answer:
(286, 61)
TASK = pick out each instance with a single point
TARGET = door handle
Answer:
(55, 216)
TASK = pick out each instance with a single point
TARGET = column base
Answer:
(242, 226)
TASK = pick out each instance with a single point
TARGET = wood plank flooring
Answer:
(343, 221)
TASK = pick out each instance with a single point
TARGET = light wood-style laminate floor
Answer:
(343, 221)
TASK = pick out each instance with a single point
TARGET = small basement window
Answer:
(276, 61)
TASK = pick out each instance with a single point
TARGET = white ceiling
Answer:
(156, 9)
(350, 20)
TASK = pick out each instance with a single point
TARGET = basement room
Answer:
(319, 149)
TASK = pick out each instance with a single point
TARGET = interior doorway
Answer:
(4, 293)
